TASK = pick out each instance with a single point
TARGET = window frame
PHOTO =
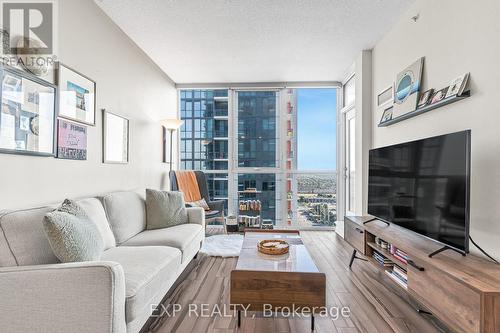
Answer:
(281, 127)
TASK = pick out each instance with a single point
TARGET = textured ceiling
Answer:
(197, 41)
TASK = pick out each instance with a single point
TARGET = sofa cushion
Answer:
(72, 235)
(164, 209)
(25, 238)
(149, 271)
(185, 237)
(95, 211)
(126, 212)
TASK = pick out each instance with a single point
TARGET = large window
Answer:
(272, 149)
(257, 135)
(313, 190)
(204, 137)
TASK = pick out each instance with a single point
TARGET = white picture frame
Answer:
(385, 97)
(116, 134)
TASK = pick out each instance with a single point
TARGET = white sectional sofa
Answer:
(116, 294)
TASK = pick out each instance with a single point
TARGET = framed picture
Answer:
(76, 96)
(439, 95)
(407, 88)
(385, 96)
(71, 140)
(387, 115)
(457, 86)
(27, 115)
(425, 98)
(115, 138)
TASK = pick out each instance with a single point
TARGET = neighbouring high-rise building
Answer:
(246, 143)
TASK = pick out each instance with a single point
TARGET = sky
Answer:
(317, 129)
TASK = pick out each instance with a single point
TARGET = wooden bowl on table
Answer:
(273, 246)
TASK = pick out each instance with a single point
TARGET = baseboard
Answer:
(339, 229)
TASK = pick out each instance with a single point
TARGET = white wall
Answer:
(129, 84)
(363, 68)
(454, 36)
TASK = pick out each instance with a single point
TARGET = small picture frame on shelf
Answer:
(387, 115)
(385, 97)
(457, 86)
(439, 95)
(425, 98)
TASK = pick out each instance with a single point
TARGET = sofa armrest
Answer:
(71, 297)
(217, 205)
(196, 215)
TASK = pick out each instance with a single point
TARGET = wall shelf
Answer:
(425, 109)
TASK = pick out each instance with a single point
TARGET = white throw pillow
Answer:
(95, 212)
(71, 234)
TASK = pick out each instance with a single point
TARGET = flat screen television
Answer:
(423, 186)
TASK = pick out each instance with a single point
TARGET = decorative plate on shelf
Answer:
(273, 246)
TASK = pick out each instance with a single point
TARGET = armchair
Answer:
(216, 206)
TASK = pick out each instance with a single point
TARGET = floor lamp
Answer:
(170, 125)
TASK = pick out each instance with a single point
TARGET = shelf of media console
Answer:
(427, 108)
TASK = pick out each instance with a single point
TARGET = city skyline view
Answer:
(306, 197)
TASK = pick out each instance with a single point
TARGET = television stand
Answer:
(461, 293)
(444, 248)
(375, 219)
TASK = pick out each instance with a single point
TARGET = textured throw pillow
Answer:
(164, 209)
(71, 234)
(200, 203)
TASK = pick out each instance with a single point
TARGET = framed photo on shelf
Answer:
(457, 86)
(76, 95)
(407, 88)
(27, 114)
(425, 98)
(115, 138)
(386, 96)
(386, 115)
(71, 140)
(439, 95)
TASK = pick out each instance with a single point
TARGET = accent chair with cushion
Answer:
(195, 187)
(115, 294)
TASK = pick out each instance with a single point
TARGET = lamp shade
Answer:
(171, 124)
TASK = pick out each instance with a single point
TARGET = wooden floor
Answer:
(375, 304)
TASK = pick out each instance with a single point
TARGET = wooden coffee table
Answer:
(291, 280)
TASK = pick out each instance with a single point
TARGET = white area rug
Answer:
(222, 245)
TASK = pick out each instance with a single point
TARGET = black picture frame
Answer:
(7, 70)
(61, 121)
(59, 83)
(386, 111)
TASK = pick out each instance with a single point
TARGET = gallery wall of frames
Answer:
(405, 98)
(44, 119)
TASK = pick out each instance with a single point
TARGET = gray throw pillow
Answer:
(72, 235)
(164, 209)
